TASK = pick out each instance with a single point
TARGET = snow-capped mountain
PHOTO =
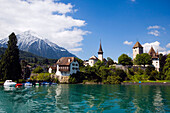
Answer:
(29, 41)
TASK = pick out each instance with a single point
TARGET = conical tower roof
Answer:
(100, 49)
(152, 52)
(137, 45)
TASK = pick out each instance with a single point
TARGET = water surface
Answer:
(86, 98)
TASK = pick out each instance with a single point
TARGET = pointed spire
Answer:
(157, 52)
(137, 45)
(100, 49)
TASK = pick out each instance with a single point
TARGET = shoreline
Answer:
(126, 83)
(146, 83)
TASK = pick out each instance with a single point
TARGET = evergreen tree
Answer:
(10, 67)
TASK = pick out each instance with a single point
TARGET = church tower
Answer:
(137, 49)
(100, 53)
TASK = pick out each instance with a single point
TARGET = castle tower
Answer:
(155, 58)
(137, 49)
(100, 53)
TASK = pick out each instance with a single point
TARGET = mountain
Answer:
(29, 41)
(24, 55)
(30, 57)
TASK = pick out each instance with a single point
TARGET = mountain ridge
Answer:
(29, 41)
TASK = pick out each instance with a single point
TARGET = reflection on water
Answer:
(86, 98)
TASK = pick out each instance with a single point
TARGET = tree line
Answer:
(107, 73)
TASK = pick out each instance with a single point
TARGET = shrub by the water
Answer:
(44, 77)
(38, 69)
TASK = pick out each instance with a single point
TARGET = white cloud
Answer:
(154, 27)
(168, 45)
(154, 32)
(47, 18)
(156, 46)
(127, 43)
(133, 0)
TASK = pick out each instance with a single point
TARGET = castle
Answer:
(138, 49)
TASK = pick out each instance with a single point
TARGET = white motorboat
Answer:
(9, 83)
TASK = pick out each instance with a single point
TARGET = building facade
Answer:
(155, 58)
(137, 49)
(67, 66)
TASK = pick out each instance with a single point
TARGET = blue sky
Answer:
(116, 21)
(78, 25)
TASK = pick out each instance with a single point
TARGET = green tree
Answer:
(38, 69)
(143, 59)
(113, 80)
(98, 64)
(80, 62)
(154, 75)
(10, 67)
(45, 61)
(109, 61)
(148, 70)
(162, 60)
(166, 69)
(35, 60)
(125, 60)
(25, 70)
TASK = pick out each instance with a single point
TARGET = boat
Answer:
(51, 83)
(9, 83)
(28, 84)
(37, 84)
(45, 83)
(18, 85)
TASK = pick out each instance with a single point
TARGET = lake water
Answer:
(66, 98)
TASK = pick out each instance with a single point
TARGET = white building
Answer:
(137, 49)
(92, 60)
(67, 66)
(155, 58)
(52, 69)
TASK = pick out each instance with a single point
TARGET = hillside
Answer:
(27, 56)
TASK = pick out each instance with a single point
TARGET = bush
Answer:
(43, 77)
(140, 71)
(148, 70)
(138, 78)
(113, 80)
(153, 75)
(38, 69)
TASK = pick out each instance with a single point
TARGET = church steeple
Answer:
(100, 52)
(100, 49)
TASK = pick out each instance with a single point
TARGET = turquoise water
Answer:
(86, 98)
